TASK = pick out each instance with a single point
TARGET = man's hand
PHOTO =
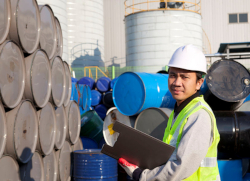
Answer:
(128, 167)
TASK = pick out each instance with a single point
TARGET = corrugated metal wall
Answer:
(215, 21)
(114, 31)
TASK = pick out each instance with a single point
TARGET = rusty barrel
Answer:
(22, 131)
(12, 74)
(38, 78)
(25, 24)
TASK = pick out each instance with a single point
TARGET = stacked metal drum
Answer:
(40, 126)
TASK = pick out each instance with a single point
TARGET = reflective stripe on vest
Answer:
(208, 169)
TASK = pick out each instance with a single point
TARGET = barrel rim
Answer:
(60, 145)
(113, 95)
(8, 22)
(39, 28)
(49, 82)
(59, 162)
(23, 80)
(4, 130)
(70, 84)
(61, 35)
(88, 151)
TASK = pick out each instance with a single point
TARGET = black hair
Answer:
(199, 75)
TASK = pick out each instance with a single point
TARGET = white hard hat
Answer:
(189, 58)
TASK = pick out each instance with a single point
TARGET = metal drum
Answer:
(5, 13)
(114, 115)
(95, 166)
(78, 145)
(101, 110)
(33, 170)
(75, 92)
(68, 85)
(135, 92)
(59, 39)
(3, 130)
(61, 127)
(107, 100)
(50, 167)
(12, 74)
(46, 129)
(112, 83)
(87, 81)
(86, 97)
(91, 126)
(103, 84)
(234, 129)
(89, 143)
(25, 24)
(58, 80)
(96, 97)
(48, 30)
(73, 122)
(153, 121)
(38, 78)
(229, 84)
(22, 131)
(9, 169)
(64, 162)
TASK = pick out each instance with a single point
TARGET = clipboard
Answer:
(138, 148)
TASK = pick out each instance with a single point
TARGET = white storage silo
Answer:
(154, 33)
(85, 28)
(59, 8)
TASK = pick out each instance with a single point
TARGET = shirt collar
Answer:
(177, 109)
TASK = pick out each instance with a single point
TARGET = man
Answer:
(191, 127)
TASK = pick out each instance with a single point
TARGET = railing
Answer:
(136, 6)
(96, 69)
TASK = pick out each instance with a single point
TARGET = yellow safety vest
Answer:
(208, 170)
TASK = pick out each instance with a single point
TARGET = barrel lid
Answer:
(155, 128)
(5, 13)
(88, 151)
(50, 167)
(61, 125)
(129, 93)
(78, 145)
(47, 128)
(9, 169)
(68, 84)
(59, 38)
(25, 132)
(74, 122)
(48, 30)
(96, 97)
(64, 162)
(228, 80)
(103, 84)
(58, 81)
(28, 24)
(3, 130)
(12, 74)
(40, 78)
(109, 134)
(108, 99)
(34, 169)
(101, 110)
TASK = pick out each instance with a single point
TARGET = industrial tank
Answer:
(154, 31)
(59, 8)
(85, 29)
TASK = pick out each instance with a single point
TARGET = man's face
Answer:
(182, 84)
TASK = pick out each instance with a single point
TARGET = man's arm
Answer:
(192, 149)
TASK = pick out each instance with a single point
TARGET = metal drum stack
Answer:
(39, 123)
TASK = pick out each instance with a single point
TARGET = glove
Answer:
(128, 167)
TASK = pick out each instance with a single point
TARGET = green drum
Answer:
(91, 126)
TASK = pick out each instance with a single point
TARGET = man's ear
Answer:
(199, 83)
